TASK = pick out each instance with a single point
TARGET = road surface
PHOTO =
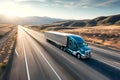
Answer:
(36, 59)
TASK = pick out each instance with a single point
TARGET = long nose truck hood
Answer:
(85, 48)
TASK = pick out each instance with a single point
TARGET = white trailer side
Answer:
(57, 37)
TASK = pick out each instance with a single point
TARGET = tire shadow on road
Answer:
(107, 70)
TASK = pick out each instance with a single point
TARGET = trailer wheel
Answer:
(64, 49)
(47, 40)
(61, 47)
(78, 56)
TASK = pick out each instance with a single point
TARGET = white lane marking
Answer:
(16, 52)
(51, 67)
(48, 62)
(28, 75)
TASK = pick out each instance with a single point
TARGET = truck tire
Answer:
(47, 40)
(61, 47)
(64, 49)
(78, 56)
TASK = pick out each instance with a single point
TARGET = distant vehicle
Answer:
(70, 43)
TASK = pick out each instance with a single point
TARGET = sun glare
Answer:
(10, 14)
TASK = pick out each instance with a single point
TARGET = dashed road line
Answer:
(16, 52)
(26, 63)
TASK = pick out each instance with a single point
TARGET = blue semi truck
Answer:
(70, 43)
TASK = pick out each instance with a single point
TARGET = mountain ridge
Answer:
(36, 20)
(102, 20)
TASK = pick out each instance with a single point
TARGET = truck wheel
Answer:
(47, 40)
(61, 47)
(64, 49)
(78, 56)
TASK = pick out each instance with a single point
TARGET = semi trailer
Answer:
(70, 43)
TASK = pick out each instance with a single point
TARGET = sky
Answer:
(64, 9)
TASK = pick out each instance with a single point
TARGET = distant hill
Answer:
(103, 20)
(32, 20)
(35, 20)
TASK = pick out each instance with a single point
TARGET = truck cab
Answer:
(77, 46)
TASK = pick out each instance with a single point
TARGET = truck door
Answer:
(72, 46)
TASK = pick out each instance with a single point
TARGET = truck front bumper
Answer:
(86, 56)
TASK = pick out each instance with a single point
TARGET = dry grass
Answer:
(105, 35)
(5, 28)
(7, 45)
(5, 53)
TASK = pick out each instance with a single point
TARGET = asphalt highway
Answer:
(36, 59)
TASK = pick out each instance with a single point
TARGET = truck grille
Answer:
(87, 53)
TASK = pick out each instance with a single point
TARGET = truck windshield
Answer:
(82, 44)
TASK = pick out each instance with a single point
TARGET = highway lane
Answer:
(37, 59)
(30, 65)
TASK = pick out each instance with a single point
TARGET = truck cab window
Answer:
(70, 44)
(75, 46)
